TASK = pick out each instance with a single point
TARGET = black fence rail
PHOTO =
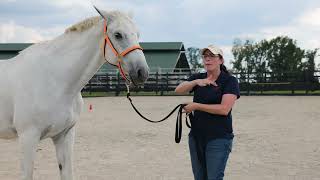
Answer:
(250, 84)
(286, 83)
(157, 82)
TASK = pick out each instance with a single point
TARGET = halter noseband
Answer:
(116, 53)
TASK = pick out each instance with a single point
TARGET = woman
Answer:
(211, 135)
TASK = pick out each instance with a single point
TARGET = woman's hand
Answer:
(190, 107)
(205, 82)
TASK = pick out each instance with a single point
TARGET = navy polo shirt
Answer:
(207, 126)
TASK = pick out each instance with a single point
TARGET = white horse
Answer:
(40, 88)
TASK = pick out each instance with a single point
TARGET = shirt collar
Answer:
(222, 76)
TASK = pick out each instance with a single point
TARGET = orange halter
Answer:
(115, 52)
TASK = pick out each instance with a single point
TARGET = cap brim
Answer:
(202, 50)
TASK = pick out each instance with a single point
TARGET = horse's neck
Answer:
(86, 58)
(73, 59)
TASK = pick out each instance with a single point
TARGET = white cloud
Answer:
(202, 11)
(70, 3)
(11, 32)
(305, 29)
(227, 56)
(311, 18)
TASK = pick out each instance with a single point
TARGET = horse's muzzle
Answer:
(139, 75)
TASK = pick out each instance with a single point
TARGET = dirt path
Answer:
(277, 138)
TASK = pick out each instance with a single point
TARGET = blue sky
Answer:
(195, 23)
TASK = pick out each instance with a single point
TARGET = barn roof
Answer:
(166, 56)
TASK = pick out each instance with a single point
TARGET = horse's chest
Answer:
(57, 123)
(64, 118)
(50, 116)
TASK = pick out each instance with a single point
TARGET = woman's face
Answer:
(211, 61)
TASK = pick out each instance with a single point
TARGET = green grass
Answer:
(297, 92)
(97, 94)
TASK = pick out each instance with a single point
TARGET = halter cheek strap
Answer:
(116, 53)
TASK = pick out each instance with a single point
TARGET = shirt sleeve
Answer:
(232, 87)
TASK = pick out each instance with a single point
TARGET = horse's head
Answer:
(121, 46)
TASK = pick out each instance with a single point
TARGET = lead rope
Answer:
(179, 117)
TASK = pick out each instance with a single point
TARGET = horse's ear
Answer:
(101, 14)
(105, 15)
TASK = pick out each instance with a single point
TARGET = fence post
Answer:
(167, 82)
(157, 80)
(307, 81)
(118, 86)
(248, 84)
(292, 87)
(161, 85)
(107, 82)
(90, 87)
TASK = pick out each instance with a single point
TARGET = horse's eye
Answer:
(118, 35)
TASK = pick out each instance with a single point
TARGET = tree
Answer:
(261, 62)
(250, 58)
(241, 52)
(194, 58)
(284, 57)
(309, 66)
(280, 55)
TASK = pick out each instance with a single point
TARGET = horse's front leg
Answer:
(64, 150)
(28, 141)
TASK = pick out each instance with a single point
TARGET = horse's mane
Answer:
(83, 25)
(89, 22)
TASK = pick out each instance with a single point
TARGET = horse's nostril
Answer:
(139, 74)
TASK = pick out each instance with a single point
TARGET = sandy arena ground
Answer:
(276, 138)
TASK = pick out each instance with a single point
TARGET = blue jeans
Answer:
(216, 155)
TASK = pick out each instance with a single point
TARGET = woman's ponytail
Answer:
(224, 69)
